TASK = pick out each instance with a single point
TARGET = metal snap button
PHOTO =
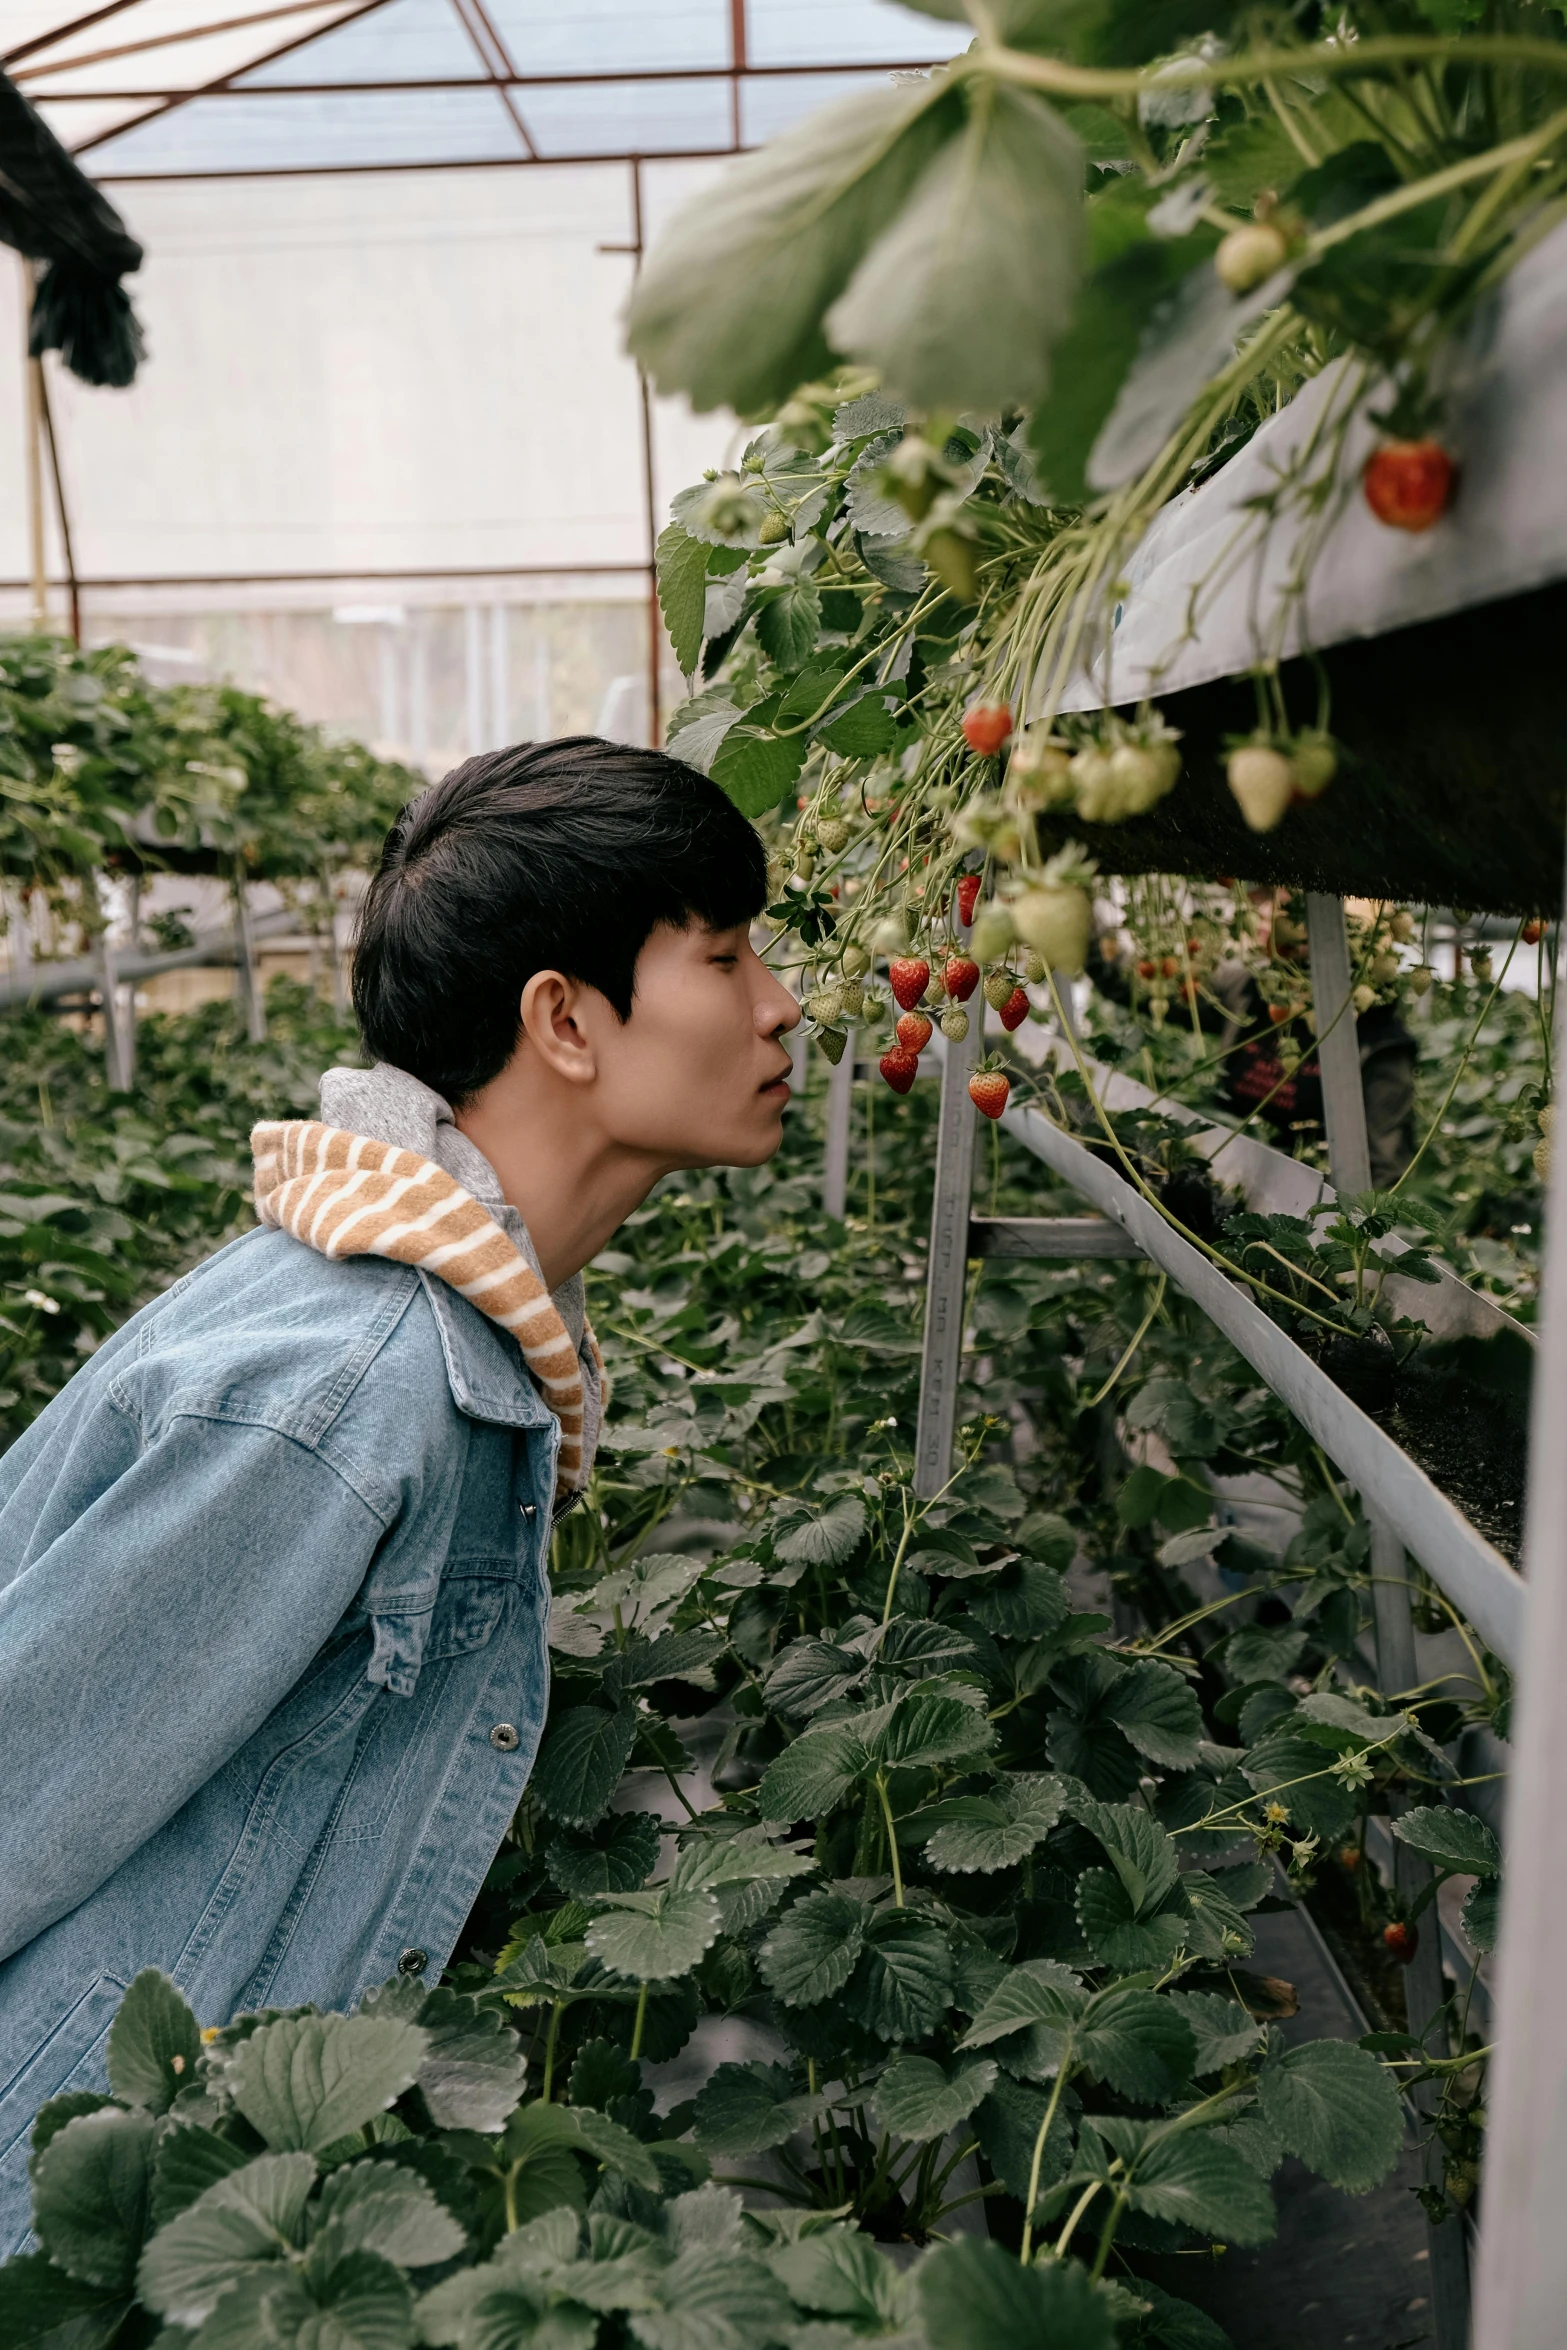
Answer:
(504, 1737)
(527, 1509)
(412, 1962)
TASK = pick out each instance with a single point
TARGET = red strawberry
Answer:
(1147, 968)
(960, 978)
(986, 727)
(908, 976)
(913, 1032)
(1533, 932)
(988, 1090)
(1169, 966)
(1015, 1010)
(1408, 483)
(900, 1068)
(1402, 1940)
(968, 897)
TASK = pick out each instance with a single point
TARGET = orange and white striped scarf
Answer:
(348, 1196)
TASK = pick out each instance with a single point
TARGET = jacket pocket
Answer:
(462, 1612)
(68, 2056)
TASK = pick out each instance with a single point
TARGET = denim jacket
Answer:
(273, 1659)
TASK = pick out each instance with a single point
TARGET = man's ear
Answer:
(552, 1024)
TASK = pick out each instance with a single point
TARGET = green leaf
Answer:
(842, 2273)
(1007, 2126)
(975, 2296)
(1176, 2325)
(812, 1950)
(729, 303)
(1023, 1602)
(810, 1673)
(615, 1856)
(154, 2042)
(1192, 2179)
(739, 1860)
(901, 1988)
(380, 2207)
(352, 2300)
(713, 2300)
(1159, 1713)
(1296, 1772)
(473, 2070)
(1480, 1916)
(580, 1762)
(1450, 1839)
(615, 2147)
(812, 1776)
(1118, 1935)
(1221, 2027)
(189, 2160)
(929, 1728)
(747, 2109)
(862, 731)
(1139, 2042)
(822, 1538)
(307, 2080)
(90, 2190)
(1141, 1854)
(1215, 1929)
(682, 592)
(918, 2098)
(788, 620)
(1264, 1652)
(754, 768)
(1132, 269)
(961, 302)
(1039, 1991)
(41, 2308)
(655, 1936)
(1337, 2109)
(1025, 1807)
(255, 2215)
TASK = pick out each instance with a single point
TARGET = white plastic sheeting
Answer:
(396, 373)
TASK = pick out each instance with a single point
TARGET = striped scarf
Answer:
(348, 1196)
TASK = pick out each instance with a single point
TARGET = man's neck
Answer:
(571, 1185)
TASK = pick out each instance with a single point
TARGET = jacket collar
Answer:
(484, 1366)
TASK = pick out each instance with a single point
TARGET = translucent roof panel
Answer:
(770, 102)
(612, 36)
(847, 32)
(310, 133)
(406, 41)
(625, 118)
(141, 87)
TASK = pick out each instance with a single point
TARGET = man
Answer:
(273, 1566)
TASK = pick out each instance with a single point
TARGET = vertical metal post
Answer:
(1349, 1164)
(19, 932)
(946, 1281)
(473, 677)
(500, 679)
(250, 990)
(1522, 2292)
(835, 1161)
(119, 1049)
(33, 459)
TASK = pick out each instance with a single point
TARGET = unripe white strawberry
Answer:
(1057, 920)
(833, 834)
(1263, 782)
(954, 1023)
(1315, 761)
(1248, 255)
(994, 931)
(1000, 988)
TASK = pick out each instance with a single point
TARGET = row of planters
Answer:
(979, 1877)
(104, 775)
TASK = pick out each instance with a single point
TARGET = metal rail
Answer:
(45, 983)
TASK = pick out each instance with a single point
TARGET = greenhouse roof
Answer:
(174, 89)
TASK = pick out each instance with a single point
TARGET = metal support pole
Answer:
(840, 1108)
(33, 460)
(119, 1050)
(1522, 2292)
(250, 989)
(1349, 1164)
(946, 1282)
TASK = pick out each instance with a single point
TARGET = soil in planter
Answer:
(1460, 1408)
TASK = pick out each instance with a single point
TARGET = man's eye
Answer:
(729, 960)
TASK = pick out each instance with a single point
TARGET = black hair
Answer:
(556, 856)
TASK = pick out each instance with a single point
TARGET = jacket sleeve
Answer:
(160, 1614)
